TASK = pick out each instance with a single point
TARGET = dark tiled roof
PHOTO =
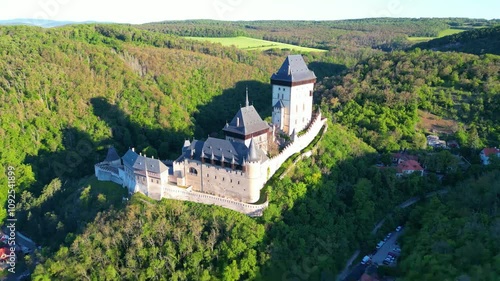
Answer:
(279, 104)
(294, 69)
(219, 148)
(139, 162)
(112, 155)
(249, 122)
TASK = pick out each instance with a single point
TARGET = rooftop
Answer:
(221, 150)
(246, 122)
(112, 155)
(409, 165)
(490, 150)
(293, 69)
(139, 162)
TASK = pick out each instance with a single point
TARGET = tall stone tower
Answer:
(293, 87)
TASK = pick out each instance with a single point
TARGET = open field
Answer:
(443, 33)
(434, 124)
(247, 43)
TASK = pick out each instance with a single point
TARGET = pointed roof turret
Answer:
(112, 155)
(246, 100)
(252, 152)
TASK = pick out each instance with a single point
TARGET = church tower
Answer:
(293, 87)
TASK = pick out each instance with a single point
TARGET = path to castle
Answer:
(403, 205)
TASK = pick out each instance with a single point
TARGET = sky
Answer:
(142, 11)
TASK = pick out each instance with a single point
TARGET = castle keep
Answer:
(229, 172)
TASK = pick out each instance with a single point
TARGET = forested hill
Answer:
(91, 86)
(381, 98)
(476, 41)
(376, 33)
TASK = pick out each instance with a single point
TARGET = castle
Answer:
(229, 172)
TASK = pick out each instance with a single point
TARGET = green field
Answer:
(442, 33)
(247, 43)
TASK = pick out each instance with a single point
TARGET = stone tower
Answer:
(293, 87)
(253, 172)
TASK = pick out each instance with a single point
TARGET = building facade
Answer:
(293, 87)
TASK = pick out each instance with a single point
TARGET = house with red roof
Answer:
(409, 167)
(4, 253)
(487, 153)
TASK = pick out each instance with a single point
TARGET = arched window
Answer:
(193, 171)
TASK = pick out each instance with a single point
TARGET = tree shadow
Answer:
(326, 69)
(321, 216)
(212, 117)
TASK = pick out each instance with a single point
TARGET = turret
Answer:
(253, 173)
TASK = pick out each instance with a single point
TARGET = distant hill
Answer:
(477, 41)
(39, 22)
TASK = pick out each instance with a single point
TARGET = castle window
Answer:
(230, 180)
(193, 171)
(223, 179)
(238, 182)
(215, 177)
(208, 175)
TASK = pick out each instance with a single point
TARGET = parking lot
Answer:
(388, 247)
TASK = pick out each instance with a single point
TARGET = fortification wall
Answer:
(177, 193)
(299, 144)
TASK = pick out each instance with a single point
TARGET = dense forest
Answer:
(476, 41)
(70, 92)
(381, 97)
(455, 237)
(379, 33)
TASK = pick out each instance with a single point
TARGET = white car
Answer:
(380, 244)
(399, 228)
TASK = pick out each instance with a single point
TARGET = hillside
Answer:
(477, 41)
(376, 33)
(70, 92)
(380, 98)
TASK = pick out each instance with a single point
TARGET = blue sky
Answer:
(141, 11)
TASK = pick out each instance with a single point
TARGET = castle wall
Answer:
(299, 144)
(224, 182)
(172, 192)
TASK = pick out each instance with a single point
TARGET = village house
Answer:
(486, 153)
(409, 167)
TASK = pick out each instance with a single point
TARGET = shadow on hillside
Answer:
(59, 214)
(329, 213)
(326, 69)
(212, 117)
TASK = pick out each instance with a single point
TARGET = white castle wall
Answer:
(299, 144)
(177, 193)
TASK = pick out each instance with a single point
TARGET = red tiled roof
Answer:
(490, 150)
(409, 165)
(4, 252)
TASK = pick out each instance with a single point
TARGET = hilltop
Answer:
(477, 41)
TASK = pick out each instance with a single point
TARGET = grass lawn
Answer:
(113, 192)
(442, 33)
(247, 43)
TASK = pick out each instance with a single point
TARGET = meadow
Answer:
(442, 33)
(247, 43)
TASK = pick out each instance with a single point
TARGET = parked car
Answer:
(365, 260)
(380, 244)
(396, 250)
(389, 235)
(399, 228)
